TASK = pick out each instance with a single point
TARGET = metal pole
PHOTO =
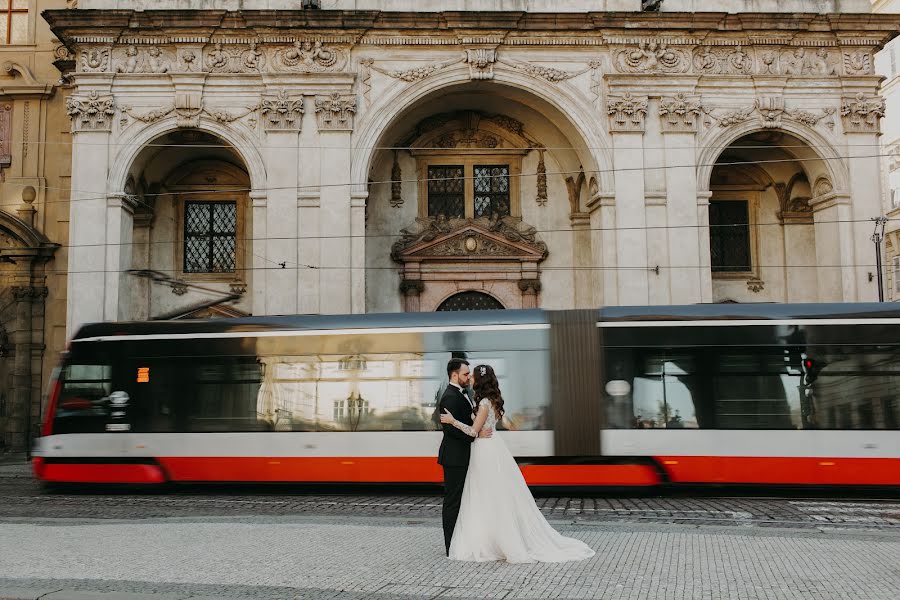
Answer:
(877, 237)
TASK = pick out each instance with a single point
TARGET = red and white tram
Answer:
(724, 394)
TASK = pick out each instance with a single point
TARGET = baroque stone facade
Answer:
(375, 161)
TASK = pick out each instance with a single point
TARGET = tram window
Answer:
(756, 390)
(390, 392)
(665, 393)
(857, 387)
(83, 404)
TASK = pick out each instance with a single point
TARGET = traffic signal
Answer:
(812, 367)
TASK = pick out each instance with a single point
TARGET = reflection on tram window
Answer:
(855, 387)
(760, 388)
(384, 392)
(83, 404)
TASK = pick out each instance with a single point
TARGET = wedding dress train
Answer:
(498, 518)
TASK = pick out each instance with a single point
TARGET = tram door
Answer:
(576, 382)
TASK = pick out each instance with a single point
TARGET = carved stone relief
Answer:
(626, 113)
(234, 59)
(771, 110)
(396, 183)
(808, 61)
(150, 60)
(679, 113)
(95, 60)
(307, 55)
(335, 112)
(495, 230)
(92, 112)
(822, 186)
(861, 114)
(728, 60)
(281, 111)
(857, 63)
(652, 57)
(481, 62)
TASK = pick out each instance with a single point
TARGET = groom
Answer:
(455, 447)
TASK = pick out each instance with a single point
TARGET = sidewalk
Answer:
(350, 558)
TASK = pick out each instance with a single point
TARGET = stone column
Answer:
(19, 419)
(411, 289)
(93, 265)
(530, 289)
(626, 122)
(582, 260)
(801, 282)
(679, 115)
(358, 251)
(119, 248)
(282, 158)
(835, 254)
(603, 238)
(334, 116)
(259, 208)
(705, 259)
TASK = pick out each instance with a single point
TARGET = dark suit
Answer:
(454, 456)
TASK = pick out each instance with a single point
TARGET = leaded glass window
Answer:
(491, 190)
(729, 236)
(470, 301)
(446, 191)
(13, 21)
(210, 236)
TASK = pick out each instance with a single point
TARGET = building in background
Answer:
(887, 64)
(35, 163)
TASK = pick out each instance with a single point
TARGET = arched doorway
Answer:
(762, 236)
(192, 225)
(470, 301)
(491, 161)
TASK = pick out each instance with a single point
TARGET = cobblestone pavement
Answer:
(22, 497)
(350, 558)
(234, 543)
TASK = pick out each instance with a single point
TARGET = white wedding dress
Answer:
(498, 519)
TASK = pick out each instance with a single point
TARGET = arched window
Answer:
(470, 301)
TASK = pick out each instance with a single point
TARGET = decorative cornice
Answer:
(466, 238)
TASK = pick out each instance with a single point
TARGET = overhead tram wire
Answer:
(369, 184)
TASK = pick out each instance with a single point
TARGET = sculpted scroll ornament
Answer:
(91, 113)
(335, 112)
(240, 59)
(281, 111)
(95, 60)
(857, 63)
(626, 112)
(308, 56)
(861, 114)
(722, 61)
(652, 57)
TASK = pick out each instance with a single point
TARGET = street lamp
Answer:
(878, 237)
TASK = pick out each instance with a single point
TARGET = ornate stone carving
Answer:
(731, 117)
(91, 113)
(335, 112)
(756, 285)
(861, 114)
(822, 187)
(498, 236)
(626, 113)
(281, 111)
(188, 109)
(541, 180)
(481, 62)
(235, 59)
(770, 109)
(308, 56)
(729, 60)
(28, 293)
(804, 61)
(152, 61)
(411, 287)
(62, 53)
(652, 57)
(189, 63)
(857, 63)
(546, 73)
(679, 113)
(530, 286)
(768, 63)
(95, 60)
(410, 75)
(396, 183)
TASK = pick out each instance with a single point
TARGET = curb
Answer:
(70, 594)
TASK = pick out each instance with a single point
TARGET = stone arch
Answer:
(240, 138)
(20, 233)
(382, 116)
(819, 150)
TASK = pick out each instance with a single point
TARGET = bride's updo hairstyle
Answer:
(487, 386)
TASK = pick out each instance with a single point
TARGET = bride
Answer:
(498, 519)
